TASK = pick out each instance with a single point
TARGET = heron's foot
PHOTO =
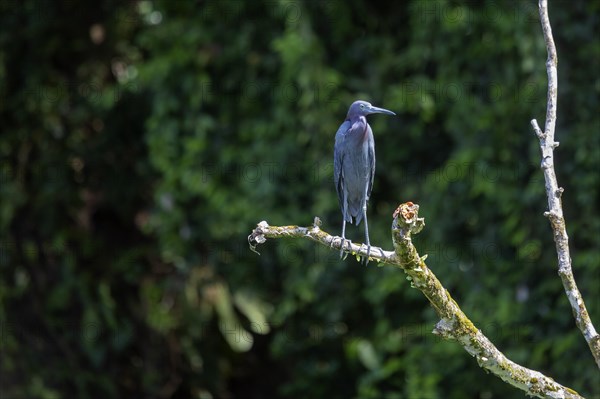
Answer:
(368, 254)
(349, 249)
(344, 255)
(365, 259)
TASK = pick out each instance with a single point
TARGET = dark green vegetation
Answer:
(142, 141)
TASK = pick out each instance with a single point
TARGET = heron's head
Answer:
(363, 108)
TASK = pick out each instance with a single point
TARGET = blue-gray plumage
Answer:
(354, 166)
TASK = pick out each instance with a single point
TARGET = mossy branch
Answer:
(454, 324)
(554, 193)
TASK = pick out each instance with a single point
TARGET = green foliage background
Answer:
(142, 141)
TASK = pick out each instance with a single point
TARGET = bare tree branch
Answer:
(554, 193)
(453, 324)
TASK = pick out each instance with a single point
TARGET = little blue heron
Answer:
(354, 166)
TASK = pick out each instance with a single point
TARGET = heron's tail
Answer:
(354, 212)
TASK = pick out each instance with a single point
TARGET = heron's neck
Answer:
(357, 118)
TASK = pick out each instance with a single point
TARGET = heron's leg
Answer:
(343, 239)
(366, 233)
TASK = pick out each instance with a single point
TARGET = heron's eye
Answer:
(362, 105)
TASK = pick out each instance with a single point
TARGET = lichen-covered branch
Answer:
(264, 231)
(453, 324)
(554, 193)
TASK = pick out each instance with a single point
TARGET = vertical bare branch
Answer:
(554, 193)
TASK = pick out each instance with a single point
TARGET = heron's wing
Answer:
(338, 164)
(371, 161)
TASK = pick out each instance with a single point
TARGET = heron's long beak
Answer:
(377, 110)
